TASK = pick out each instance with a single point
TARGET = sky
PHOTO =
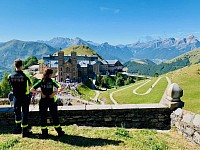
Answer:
(112, 21)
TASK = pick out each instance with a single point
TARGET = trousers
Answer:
(21, 105)
(44, 104)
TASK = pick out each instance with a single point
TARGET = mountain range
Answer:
(156, 50)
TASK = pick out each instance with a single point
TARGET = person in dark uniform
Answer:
(48, 100)
(20, 84)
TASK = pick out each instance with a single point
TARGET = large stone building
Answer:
(79, 68)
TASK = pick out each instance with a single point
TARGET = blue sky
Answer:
(112, 21)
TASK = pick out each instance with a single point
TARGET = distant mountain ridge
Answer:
(13, 49)
(186, 59)
(157, 50)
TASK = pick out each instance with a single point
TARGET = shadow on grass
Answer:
(7, 129)
(80, 141)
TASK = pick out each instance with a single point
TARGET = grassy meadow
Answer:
(86, 92)
(188, 79)
(105, 95)
(127, 97)
(96, 138)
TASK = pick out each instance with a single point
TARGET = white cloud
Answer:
(112, 10)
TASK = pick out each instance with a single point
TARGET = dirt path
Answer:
(149, 90)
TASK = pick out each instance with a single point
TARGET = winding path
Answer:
(111, 94)
(147, 92)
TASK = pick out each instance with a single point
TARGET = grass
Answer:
(188, 79)
(127, 97)
(105, 95)
(144, 88)
(96, 138)
(86, 92)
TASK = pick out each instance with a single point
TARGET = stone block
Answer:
(189, 130)
(177, 125)
(196, 120)
(188, 117)
(196, 137)
(178, 112)
(108, 119)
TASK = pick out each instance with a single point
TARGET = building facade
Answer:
(79, 68)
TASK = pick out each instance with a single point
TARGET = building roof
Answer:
(54, 63)
(34, 67)
(84, 63)
(104, 62)
(112, 62)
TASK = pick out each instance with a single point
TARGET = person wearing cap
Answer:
(20, 84)
(48, 100)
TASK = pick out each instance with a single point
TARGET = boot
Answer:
(26, 132)
(18, 129)
(60, 131)
(44, 134)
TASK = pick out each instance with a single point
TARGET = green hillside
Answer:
(13, 49)
(189, 80)
(81, 50)
(193, 56)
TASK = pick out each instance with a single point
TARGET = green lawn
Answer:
(144, 88)
(105, 95)
(127, 97)
(86, 93)
(96, 138)
(188, 79)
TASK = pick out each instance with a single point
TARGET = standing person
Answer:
(48, 100)
(20, 84)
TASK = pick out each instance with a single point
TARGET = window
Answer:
(60, 68)
(67, 69)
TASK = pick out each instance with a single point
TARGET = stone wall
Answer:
(152, 116)
(187, 124)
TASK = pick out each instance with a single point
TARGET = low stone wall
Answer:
(187, 124)
(152, 116)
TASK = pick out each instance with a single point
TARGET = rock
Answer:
(196, 120)
(188, 117)
(189, 131)
(196, 137)
(178, 112)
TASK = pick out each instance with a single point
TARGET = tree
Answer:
(119, 82)
(156, 74)
(98, 80)
(32, 60)
(5, 86)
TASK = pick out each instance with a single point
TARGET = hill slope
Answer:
(13, 49)
(189, 78)
(192, 57)
(81, 50)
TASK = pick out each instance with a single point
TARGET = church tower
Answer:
(74, 66)
(60, 66)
